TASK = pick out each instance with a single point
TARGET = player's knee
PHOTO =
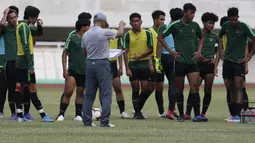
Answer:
(32, 88)
(68, 93)
(118, 91)
(194, 88)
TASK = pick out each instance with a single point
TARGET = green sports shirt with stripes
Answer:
(76, 60)
(69, 35)
(185, 39)
(236, 40)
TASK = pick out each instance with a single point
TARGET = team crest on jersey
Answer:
(237, 31)
(192, 30)
(210, 39)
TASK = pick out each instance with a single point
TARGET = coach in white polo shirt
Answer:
(98, 73)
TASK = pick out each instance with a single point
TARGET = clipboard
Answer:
(114, 53)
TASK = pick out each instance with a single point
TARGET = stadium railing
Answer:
(50, 44)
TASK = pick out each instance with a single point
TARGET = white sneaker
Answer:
(23, 119)
(78, 118)
(124, 115)
(93, 125)
(162, 115)
(229, 118)
(111, 125)
(60, 118)
(233, 121)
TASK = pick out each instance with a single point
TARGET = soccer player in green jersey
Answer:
(83, 15)
(236, 33)
(157, 82)
(168, 62)
(208, 65)
(245, 95)
(75, 75)
(8, 32)
(138, 44)
(186, 33)
(25, 65)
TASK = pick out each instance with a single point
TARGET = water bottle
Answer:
(249, 115)
(242, 116)
(246, 116)
(253, 116)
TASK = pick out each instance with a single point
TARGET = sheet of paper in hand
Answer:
(114, 53)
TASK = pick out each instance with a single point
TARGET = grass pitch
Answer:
(152, 130)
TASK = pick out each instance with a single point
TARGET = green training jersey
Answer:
(9, 34)
(69, 35)
(185, 39)
(208, 50)
(76, 60)
(236, 36)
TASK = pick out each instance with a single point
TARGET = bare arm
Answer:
(246, 56)
(150, 60)
(126, 58)
(164, 44)
(64, 59)
(120, 57)
(120, 32)
(159, 50)
(84, 52)
(144, 55)
(218, 53)
(3, 20)
(200, 44)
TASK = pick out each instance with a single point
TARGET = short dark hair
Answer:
(176, 13)
(157, 13)
(84, 15)
(233, 11)
(82, 22)
(133, 15)
(223, 20)
(208, 16)
(31, 11)
(12, 11)
(189, 6)
(14, 8)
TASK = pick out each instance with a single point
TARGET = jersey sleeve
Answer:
(24, 36)
(149, 39)
(169, 29)
(198, 31)
(126, 40)
(67, 43)
(109, 33)
(248, 31)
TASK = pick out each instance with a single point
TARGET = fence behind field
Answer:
(48, 66)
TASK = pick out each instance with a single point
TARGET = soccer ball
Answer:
(96, 114)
